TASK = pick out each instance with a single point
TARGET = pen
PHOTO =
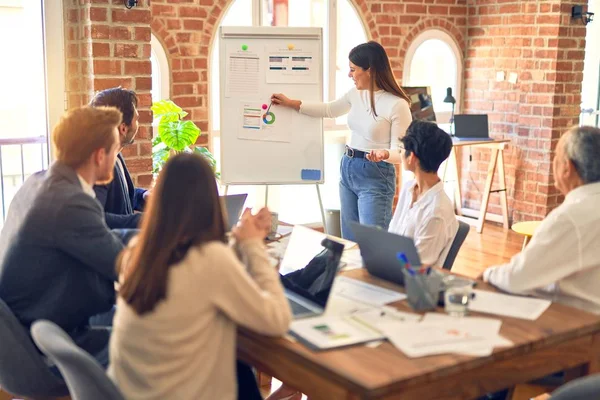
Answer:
(404, 262)
(270, 104)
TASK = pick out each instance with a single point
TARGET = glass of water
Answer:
(458, 292)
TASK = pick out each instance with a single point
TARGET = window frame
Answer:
(333, 132)
(164, 69)
(434, 33)
(54, 58)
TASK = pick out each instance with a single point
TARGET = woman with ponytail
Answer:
(378, 115)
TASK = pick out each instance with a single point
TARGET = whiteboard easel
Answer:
(289, 148)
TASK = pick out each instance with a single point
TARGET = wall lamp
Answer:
(585, 16)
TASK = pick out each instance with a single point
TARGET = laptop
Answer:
(308, 289)
(379, 248)
(471, 127)
(234, 203)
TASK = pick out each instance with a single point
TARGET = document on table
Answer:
(508, 305)
(330, 332)
(440, 334)
(363, 292)
(351, 259)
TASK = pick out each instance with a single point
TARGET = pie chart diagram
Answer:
(269, 118)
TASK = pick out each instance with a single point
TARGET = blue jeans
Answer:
(94, 339)
(366, 193)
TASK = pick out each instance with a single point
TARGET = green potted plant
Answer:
(175, 136)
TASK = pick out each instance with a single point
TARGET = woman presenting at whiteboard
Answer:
(378, 115)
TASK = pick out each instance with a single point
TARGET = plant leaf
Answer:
(178, 134)
(167, 111)
(159, 158)
(212, 161)
(156, 140)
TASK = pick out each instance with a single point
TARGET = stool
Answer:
(527, 229)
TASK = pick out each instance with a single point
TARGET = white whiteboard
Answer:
(284, 147)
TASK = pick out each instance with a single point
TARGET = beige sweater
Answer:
(186, 347)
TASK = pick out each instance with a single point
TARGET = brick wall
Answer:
(186, 31)
(106, 46)
(538, 41)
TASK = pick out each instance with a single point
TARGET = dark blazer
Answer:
(120, 200)
(57, 255)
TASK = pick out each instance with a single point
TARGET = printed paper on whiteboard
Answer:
(292, 65)
(242, 72)
(259, 122)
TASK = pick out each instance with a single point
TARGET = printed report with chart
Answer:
(262, 120)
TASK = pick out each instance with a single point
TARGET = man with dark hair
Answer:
(562, 261)
(119, 197)
(424, 212)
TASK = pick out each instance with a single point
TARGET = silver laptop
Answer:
(379, 250)
(308, 289)
(234, 203)
(471, 127)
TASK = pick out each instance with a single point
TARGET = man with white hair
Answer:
(562, 261)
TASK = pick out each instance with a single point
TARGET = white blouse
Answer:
(430, 221)
(368, 132)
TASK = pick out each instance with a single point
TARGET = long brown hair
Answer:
(184, 211)
(372, 56)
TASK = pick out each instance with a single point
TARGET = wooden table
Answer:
(496, 164)
(562, 338)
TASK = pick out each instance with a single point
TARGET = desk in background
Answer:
(496, 164)
(562, 338)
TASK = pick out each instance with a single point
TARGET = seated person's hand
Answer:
(480, 276)
(263, 219)
(378, 155)
(146, 194)
(250, 227)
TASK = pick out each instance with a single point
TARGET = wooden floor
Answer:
(492, 247)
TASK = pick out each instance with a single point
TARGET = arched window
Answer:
(342, 30)
(161, 85)
(434, 59)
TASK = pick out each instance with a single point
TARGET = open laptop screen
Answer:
(471, 126)
(314, 280)
(234, 203)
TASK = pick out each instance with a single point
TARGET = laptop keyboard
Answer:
(298, 309)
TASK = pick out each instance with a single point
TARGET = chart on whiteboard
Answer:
(265, 122)
(292, 65)
(243, 73)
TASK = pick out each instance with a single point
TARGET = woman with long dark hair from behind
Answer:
(378, 115)
(184, 292)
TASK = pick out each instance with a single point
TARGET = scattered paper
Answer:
(363, 292)
(440, 334)
(242, 73)
(329, 332)
(351, 259)
(508, 305)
